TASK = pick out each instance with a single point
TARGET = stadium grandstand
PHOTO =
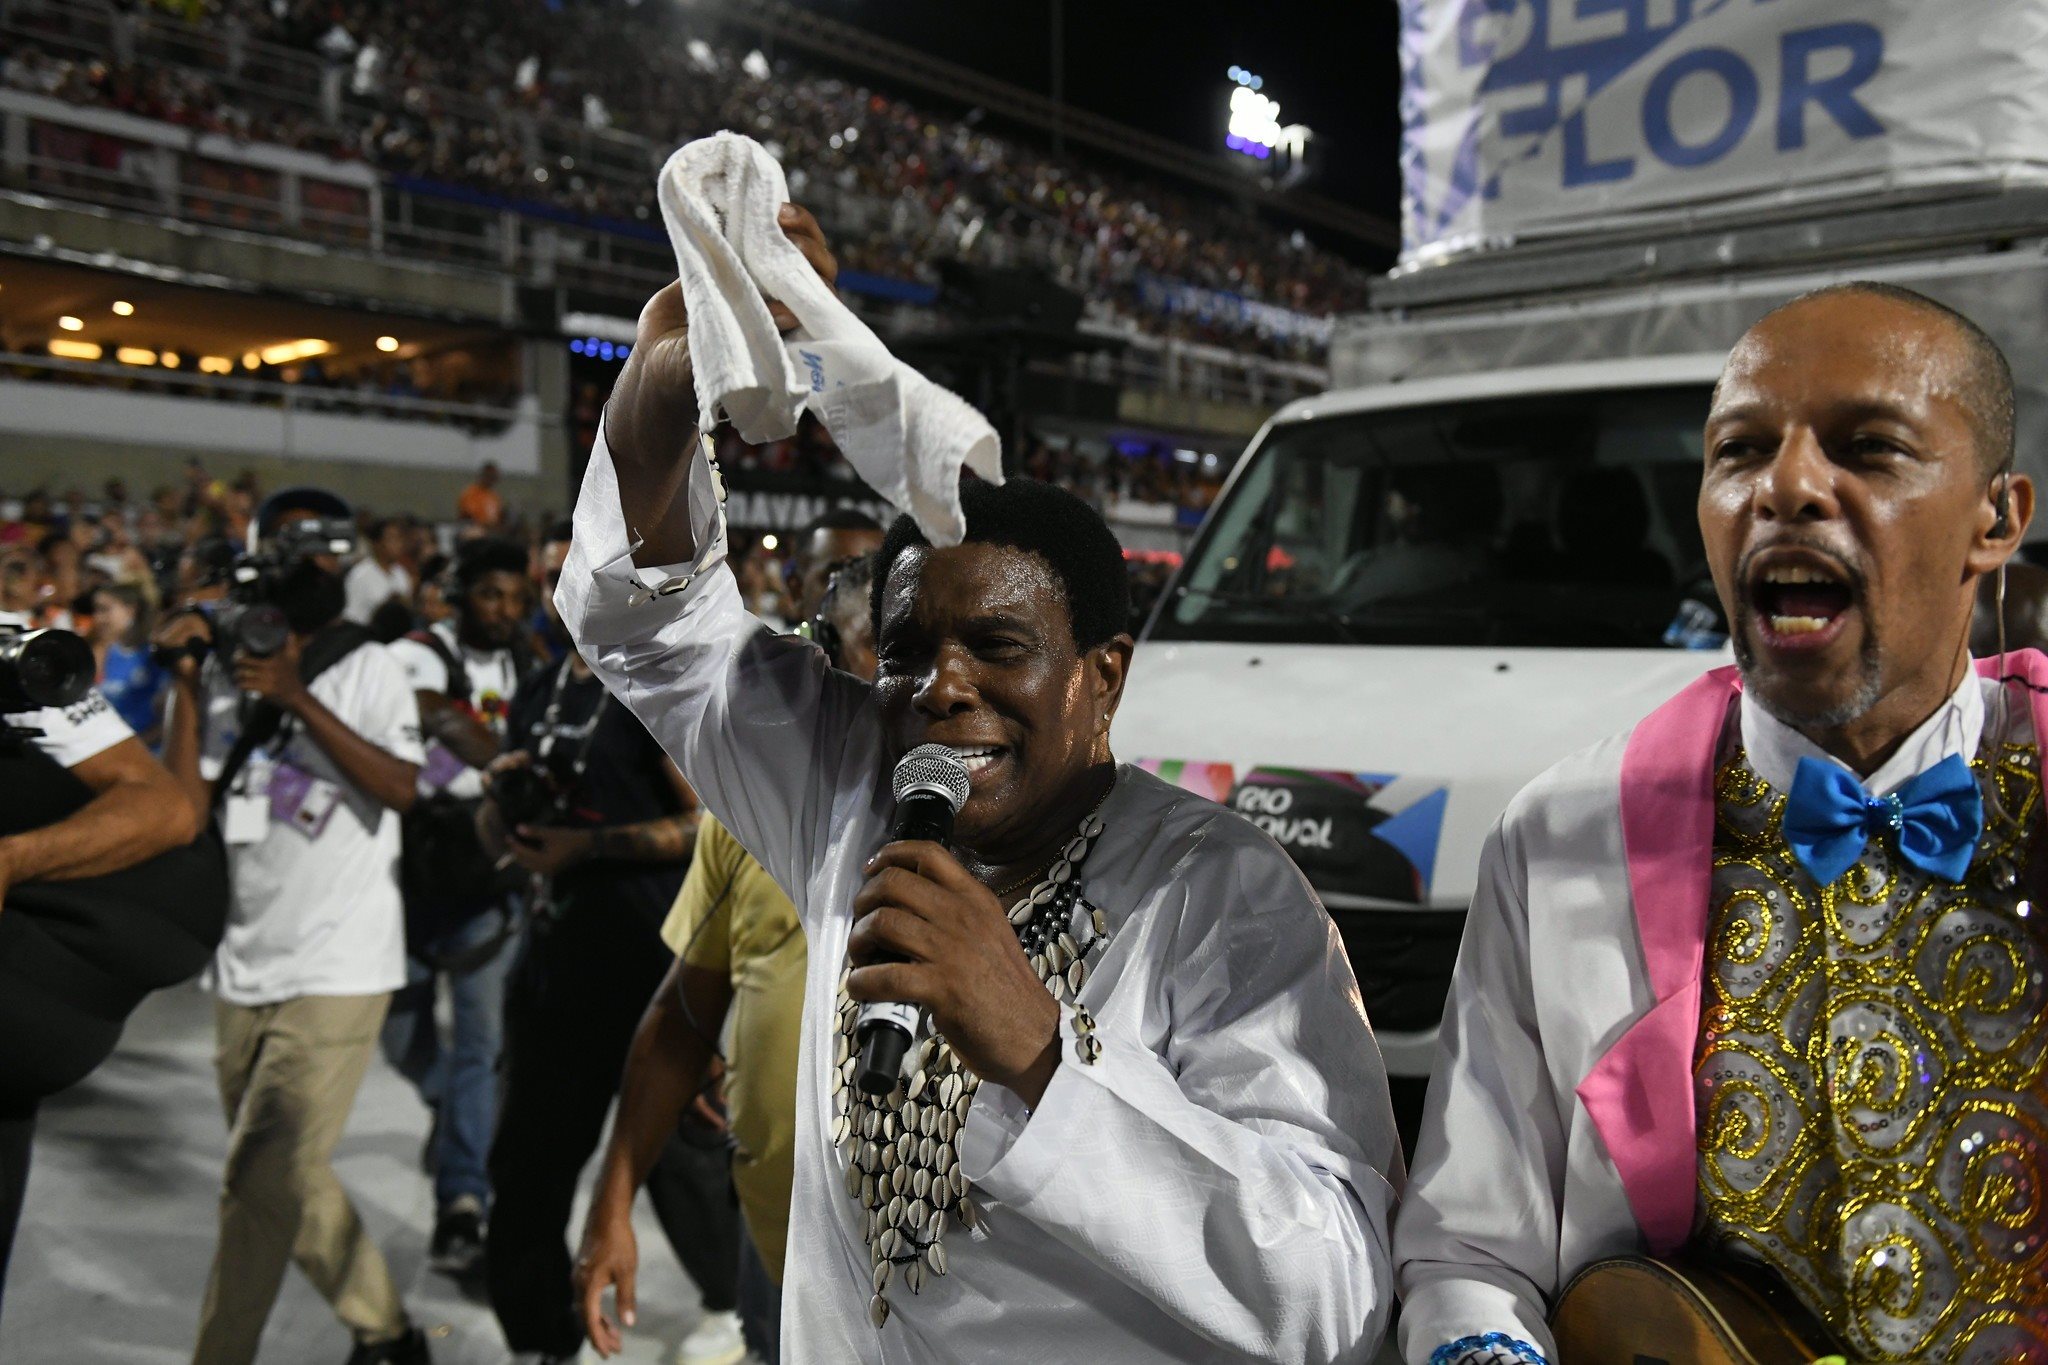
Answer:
(379, 245)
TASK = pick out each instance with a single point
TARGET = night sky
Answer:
(1161, 67)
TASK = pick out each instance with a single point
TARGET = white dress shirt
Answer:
(1775, 748)
(1216, 1187)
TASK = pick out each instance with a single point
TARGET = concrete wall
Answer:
(239, 430)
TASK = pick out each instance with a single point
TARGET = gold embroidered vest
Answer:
(1872, 1106)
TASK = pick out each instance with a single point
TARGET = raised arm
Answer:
(651, 422)
(758, 724)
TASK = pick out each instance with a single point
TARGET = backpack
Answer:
(445, 876)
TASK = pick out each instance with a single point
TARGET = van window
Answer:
(1561, 520)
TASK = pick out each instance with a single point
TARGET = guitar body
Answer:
(1636, 1311)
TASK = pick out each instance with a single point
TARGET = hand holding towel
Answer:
(906, 436)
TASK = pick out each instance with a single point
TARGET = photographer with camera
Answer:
(459, 916)
(105, 893)
(587, 803)
(304, 734)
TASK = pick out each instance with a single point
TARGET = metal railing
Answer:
(1213, 373)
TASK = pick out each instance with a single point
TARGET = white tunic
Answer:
(1216, 1187)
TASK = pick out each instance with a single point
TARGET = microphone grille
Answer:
(932, 768)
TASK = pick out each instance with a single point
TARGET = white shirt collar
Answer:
(1956, 726)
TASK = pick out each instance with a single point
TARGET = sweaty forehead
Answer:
(1848, 349)
(973, 580)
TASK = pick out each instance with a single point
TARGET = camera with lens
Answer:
(537, 793)
(42, 668)
(525, 796)
(251, 622)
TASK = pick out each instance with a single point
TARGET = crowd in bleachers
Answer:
(491, 99)
(107, 564)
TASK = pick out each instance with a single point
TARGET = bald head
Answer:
(1854, 490)
(1980, 376)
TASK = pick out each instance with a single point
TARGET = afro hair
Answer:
(486, 555)
(1043, 520)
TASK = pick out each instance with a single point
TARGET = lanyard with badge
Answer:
(269, 789)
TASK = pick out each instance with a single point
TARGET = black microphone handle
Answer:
(885, 1027)
(923, 815)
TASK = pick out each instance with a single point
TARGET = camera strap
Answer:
(550, 720)
(328, 647)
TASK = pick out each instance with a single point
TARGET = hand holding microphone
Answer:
(930, 785)
(928, 936)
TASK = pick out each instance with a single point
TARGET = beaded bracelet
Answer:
(1494, 1348)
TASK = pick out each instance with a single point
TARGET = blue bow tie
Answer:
(1937, 818)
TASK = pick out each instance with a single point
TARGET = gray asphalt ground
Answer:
(119, 1229)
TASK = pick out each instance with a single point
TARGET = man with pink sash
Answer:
(1764, 978)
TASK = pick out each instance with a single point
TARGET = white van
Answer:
(1410, 600)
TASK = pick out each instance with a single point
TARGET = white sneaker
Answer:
(715, 1340)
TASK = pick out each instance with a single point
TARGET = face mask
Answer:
(309, 596)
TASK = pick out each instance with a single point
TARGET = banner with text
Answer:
(1526, 118)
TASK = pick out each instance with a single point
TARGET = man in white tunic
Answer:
(1163, 1133)
(1761, 979)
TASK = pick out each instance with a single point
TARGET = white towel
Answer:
(905, 435)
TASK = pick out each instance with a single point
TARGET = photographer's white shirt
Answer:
(493, 678)
(312, 859)
(370, 585)
(72, 734)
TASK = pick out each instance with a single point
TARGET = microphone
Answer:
(930, 786)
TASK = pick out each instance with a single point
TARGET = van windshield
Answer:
(1559, 520)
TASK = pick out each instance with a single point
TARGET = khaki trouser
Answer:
(289, 1073)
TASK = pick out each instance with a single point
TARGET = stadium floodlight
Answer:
(387, 343)
(169, 360)
(1255, 127)
(135, 355)
(285, 352)
(123, 308)
(71, 324)
(216, 364)
(251, 360)
(67, 349)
